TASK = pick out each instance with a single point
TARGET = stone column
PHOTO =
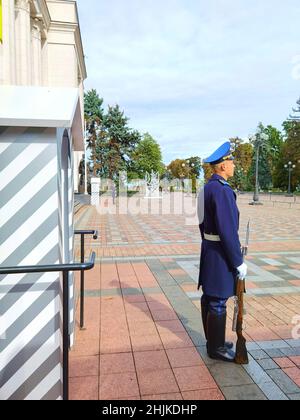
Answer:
(23, 42)
(8, 71)
(36, 42)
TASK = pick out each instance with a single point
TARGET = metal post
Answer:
(290, 173)
(259, 140)
(66, 338)
(290, 167)
(82, 234)
(256, 194)
(85, 161)
(82, 286)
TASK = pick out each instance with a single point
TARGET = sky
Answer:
(194, 73)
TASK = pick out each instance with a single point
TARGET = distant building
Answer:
(41, 45)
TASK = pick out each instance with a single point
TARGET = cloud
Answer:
(193, 72)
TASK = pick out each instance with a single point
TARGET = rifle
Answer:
(241, 355)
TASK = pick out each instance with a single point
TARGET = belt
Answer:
(212, 238)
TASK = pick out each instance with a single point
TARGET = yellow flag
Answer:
(1, 21)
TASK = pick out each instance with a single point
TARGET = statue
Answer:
(152, 185)
(123, 183)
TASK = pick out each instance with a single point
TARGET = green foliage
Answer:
(118, 143)
(243, 153)
(264, 171)
(195, 169)
(114, 146)
(93, 106)
(290, 152)
(270, 151)
(147, 157)
(179, 169)
(94, 114)
(195, 164)
(276, 143)
(185, 168)
(109, 138)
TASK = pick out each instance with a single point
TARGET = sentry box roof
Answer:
(22, 106)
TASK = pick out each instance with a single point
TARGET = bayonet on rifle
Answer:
(241, 355)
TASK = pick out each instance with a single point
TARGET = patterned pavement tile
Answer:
(244, 392)
(150, 318)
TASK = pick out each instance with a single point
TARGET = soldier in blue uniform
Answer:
(221, 256)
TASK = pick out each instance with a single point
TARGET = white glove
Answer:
(243, 269)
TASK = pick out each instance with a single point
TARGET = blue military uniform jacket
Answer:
(219, 260)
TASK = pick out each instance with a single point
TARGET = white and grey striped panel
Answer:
(30, 324)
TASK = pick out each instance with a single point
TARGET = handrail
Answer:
(65, 268)
(82, 233)
(50, 268)
(87, 232)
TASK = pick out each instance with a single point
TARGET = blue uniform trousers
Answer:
(214, 305)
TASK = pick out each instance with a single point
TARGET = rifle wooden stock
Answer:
(241, 356)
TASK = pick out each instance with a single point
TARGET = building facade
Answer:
(41, 45)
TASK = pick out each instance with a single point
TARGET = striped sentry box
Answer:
(36, 228)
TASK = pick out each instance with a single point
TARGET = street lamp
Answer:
(290, 167)
(259, 140)
(190, 167)
(188, 164)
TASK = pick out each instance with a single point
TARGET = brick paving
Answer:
(143, 336)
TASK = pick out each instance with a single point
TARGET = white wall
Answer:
(35, 54)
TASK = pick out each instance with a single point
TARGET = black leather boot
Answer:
(204, 313)
(216, 330)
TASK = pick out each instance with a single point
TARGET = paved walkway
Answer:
(143, 337)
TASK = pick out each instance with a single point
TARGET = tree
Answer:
(116, 144)
(195, 164)
(93, 114)
(179, 169)
(147, 157)
(275, 143)
(293, 144)
(243, 154)
(264, 166)
(235, 143)
(290, 152)
(295, 117)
